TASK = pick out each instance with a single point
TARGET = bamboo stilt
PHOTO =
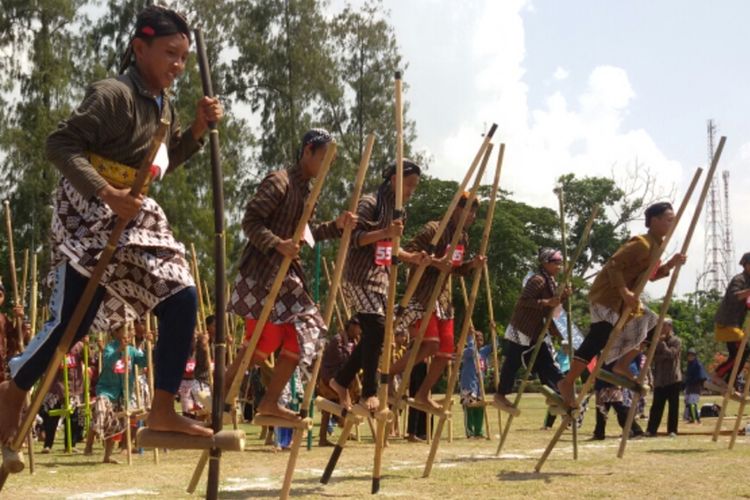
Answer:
(745, 394)
(86, 297)
(474, 292)
(540, 340)
(493, 339)
(569, 329)
(641, 284)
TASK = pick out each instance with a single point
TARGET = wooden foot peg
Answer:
(336, 409)
(274, 421)
(555, 404)
(512, 410)
(224, 440)
(427, 408)
(620, 381)
(12, 460)
(362, 412)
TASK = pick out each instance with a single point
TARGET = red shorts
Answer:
(439, 330)
(272, 337)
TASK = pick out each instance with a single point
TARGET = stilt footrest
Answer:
(224, 440)
(336, 409)
(556, 404)
(427, 408)
(12, 460)
(512, 410)
(722, 390)
(274, 421)
(362, 412)
(620, 381)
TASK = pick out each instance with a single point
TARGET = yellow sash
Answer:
(118, 174)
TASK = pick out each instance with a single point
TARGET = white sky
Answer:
(580, 86)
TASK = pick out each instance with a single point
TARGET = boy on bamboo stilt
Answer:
(295, 324)
(612, 291)
(106, 421)
(97, 150)
(438, 338)
(729, 320)
(537, 302)
(365, 280)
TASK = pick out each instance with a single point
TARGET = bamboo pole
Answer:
(624, 317)
(234, 388)
(126, 397)
(745, 394)
(540, 340)
(730, 389)
(477, 360)
(667, 301)
(385, 357)
(569, 324)
(150, 368)
(493, 339)
(335, 282)
(144, 171)
(469, 311)
(442, 278)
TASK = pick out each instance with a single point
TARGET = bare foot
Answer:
(343, 394)
(502, 403)
(426, 401)
(11, 401)
(372, 403)
(110, 460)
(273, 409)
(167, 420)
(88, 451)
(566, 392)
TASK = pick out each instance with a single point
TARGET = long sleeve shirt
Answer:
(529, 315)
(271, 216)
(732, 310)
(666, 366)
(116, 120)
(623, 269)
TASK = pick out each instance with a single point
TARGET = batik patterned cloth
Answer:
(293, 305)
(633, 333)
(148, 266)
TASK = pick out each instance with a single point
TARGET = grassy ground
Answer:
(690, 465)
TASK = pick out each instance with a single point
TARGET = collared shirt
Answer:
(271, 216)
(361, 269)
(623, 269)
(529, 315)
(421, 242)
(116, 120)
(732, 311)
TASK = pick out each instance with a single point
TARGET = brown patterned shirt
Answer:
(529, 315)
(272, 216)
(421, 242)
(116, 120)
(361, 269)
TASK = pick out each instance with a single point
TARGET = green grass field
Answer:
(689, 466)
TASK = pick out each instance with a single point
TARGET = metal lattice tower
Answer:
(714, 272)
(729, 262)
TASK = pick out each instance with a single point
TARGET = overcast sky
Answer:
(581, 86)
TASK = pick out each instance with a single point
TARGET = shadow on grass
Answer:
(323, 490)
(547, 477)
(678, 451)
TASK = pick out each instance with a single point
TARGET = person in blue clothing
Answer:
(469, 381)
(110, 390)
(562, 359)
(695, 376)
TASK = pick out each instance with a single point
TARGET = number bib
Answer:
(457, 257)
(383, 253)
